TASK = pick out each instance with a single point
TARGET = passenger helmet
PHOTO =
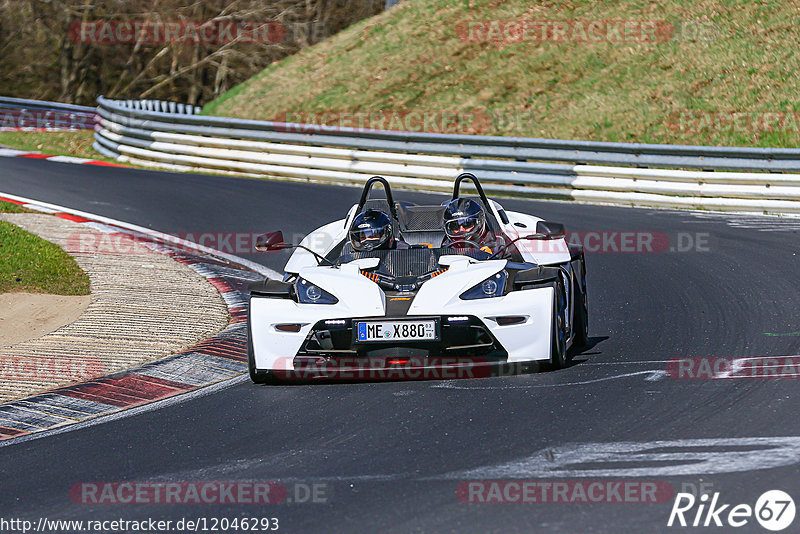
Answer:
(371, 229)
(464, 219)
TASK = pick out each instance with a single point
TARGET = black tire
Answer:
(581, 318)
(558, 349)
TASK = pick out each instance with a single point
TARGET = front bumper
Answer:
(464, 342)
(323, 343)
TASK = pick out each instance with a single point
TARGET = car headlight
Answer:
(491, 287)
(308, 293)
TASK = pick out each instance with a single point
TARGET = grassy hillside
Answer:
(719, 72)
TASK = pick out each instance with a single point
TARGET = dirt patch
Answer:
(143, 307)
(25, 316)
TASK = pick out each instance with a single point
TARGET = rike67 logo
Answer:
(774, 510)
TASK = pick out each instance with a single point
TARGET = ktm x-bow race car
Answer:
(395, 290)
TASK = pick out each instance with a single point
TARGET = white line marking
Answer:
(257, 267)
(39, 208)
(685, 456)
(653, 375)
(68, 159)
(647, 362)
(10, 152)
(736, 366)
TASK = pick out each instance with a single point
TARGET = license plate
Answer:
(424, 330)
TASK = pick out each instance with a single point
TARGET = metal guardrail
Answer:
(517, 148)
(21, 103)
(151, 133)
(161, 106)
(21, 114)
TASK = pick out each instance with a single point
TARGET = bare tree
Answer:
(46, 55)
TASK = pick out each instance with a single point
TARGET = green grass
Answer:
(722, 56)
(78, 144)
(29, 263)
(8, 207)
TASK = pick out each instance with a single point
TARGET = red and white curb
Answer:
(220, 358)
(14, 153)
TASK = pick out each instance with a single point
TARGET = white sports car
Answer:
(425, 310)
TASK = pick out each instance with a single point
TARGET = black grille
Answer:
(469, 337)
(379, 204)
(421, 218)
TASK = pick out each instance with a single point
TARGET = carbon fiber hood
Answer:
(413, 262)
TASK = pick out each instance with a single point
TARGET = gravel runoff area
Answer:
(144, 305)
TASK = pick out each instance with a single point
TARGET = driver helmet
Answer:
(371, 230)
(464, 220)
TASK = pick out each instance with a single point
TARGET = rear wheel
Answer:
(581, 320)
(558, 346)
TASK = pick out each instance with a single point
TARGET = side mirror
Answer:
(550, 230)
(271, 241)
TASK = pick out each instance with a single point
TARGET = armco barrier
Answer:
(172, 136)
(21, 114)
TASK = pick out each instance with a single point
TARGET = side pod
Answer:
(536, 276)
(271, 288)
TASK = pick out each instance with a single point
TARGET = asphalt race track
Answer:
(391, 455)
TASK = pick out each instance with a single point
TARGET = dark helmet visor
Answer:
(366, 239)
(462, 226)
